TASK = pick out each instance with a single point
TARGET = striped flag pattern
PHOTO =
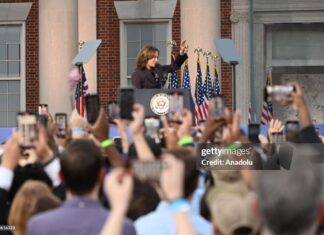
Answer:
(249, 113)
(201, 102)
(210, 90)
(80, 92)
(216, 84)
(267, 111)
(186, 78)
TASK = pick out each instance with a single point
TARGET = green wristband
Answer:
(106, 143)
(185, 141)
(234, 145)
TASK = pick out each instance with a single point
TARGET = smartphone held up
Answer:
(27, 130)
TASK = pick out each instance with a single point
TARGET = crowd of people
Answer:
(86, 183)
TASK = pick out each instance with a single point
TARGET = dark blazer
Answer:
(76, 217)
(156, 77)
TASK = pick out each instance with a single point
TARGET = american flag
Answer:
(174, 80)
(249, 113)
(80, 92)
(186, 78)
(267, 111)
(210, 90)
(201, 104)
(216, 84)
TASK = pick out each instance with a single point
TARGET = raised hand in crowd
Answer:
(184, 130)
(169, 133)
(232, 131)
(118, 187)
(298, 103)
(78, 125)
(212, 124)
(100, 128)
(173, 133)
(100, 131)
(122, 133)
(275, 126)
(137, 129)
(43, 150)
(12, 153)
(172, 185)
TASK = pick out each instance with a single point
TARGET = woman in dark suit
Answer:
(149, 73)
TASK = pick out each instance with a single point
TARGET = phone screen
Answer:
(43, 120)
(292, 126)
(92, 107)
(176, 105)
(218, 106)
(61, 123)
(27, 130)
(254, 131)
(42, 109)
(152, 126)
(126, 103)
(148, 170)
(113, 111)
(277, 137)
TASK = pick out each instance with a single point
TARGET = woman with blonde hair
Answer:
(25, 202)
(149, 73)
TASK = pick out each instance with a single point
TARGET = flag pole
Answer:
(197, 51)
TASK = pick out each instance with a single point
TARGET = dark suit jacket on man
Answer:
(76, 217)
(156, 77)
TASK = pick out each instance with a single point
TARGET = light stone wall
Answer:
(58, 44)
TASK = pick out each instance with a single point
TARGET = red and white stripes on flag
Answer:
(266, 114)
(201, 101)
(81, 91)
(249, 113)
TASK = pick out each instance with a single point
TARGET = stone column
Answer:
(88, 31)
(58, 44)
(241, 37)
(200, 26)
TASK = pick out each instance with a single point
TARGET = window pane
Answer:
(162, 60)
(3, 69)
(162, 48)
(133, 33)
(160, 32)
(13, 102)
(132, 49)
(14, 69)
(12, 121)
(14, 52)
(147, 32)
(3, 52)
(3, 34)
(3, 102)
(130, 66)
(13, 34)
(3, 119)
(298, 41)
(14, 87)
(3, 87)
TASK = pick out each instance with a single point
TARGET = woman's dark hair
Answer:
(148, 52)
